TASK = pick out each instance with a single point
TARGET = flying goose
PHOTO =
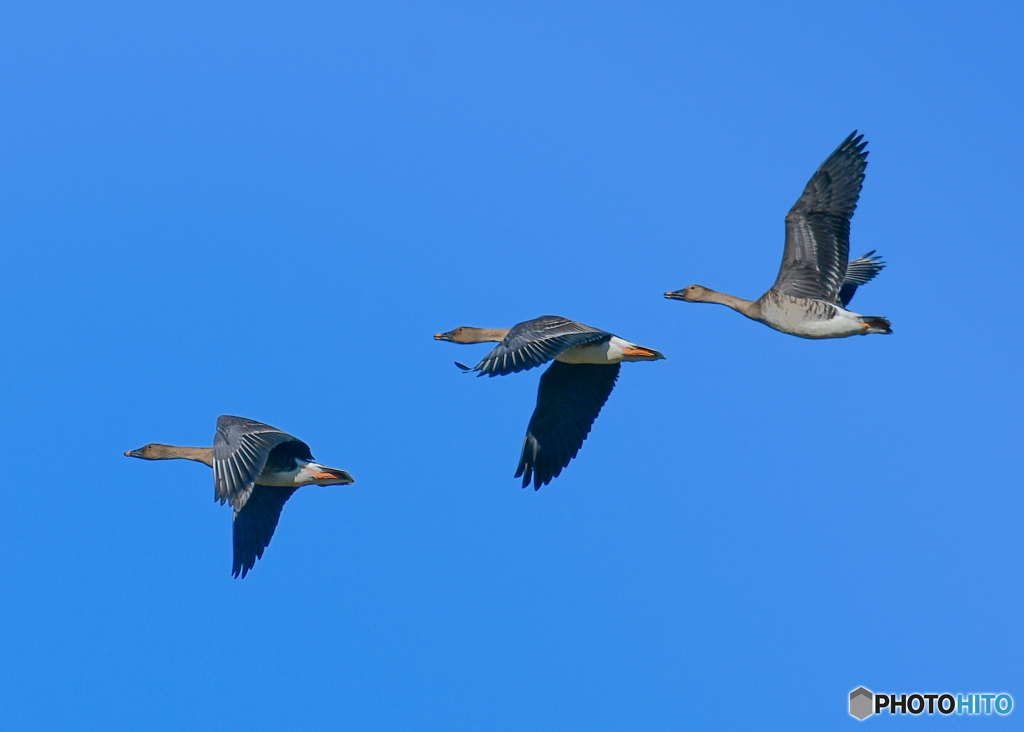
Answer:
(815, 283)
(572, 390)
(256, 468)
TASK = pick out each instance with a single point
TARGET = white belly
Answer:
(811, 319)
(282, 480)
(600, 353)
(823, 330)
(301, 475)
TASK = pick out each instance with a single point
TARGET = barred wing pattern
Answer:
(240, 451)
(859, 272)
(818, 226)
(536, 342)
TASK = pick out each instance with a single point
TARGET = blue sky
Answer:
(269, 209)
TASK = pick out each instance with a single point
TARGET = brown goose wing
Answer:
(818, 226)
(536, 342)
(568, 401)
(240, 451)
(254, 525)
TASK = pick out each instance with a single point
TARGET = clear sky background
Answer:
(269, 209)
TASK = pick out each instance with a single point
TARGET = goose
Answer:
(572, 390)
(256, 468)
(815, 282)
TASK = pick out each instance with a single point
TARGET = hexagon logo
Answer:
(861, 703)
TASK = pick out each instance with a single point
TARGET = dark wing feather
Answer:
(536, 342)
(818, 226)
(240, 451)
(860, 271)
(568, 401)
(254, 525)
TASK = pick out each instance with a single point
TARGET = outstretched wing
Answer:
(818, 226)
(240, 451)
(860, 271)
(254, 525)
(536, 342)
(568, 401)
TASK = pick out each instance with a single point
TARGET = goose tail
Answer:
(329, 476)
(875, 324)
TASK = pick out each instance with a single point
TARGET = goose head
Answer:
(693, 293)
(462, 334)
(466, 334)
(151, 451)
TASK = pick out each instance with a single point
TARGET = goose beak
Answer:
(675, 295)
(134, 453)
(442, 336)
